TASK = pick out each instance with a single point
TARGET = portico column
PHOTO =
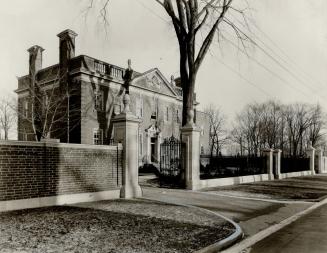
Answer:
(278, 155)
(126, 127)
(311, 154)
(191, 137)
(269, 154)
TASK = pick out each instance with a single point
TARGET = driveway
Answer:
(253, 215)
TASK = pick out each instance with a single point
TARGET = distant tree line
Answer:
(289, 127)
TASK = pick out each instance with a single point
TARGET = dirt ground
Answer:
(111, 229)
(309, 188)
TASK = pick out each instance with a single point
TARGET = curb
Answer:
(220, 245)
(248, 242)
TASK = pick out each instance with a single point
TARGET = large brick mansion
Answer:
(96, 90)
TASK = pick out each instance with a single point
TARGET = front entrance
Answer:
(153, 150)
(153, 135)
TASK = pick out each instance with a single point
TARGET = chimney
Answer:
(35, 59)
(66, 52)
(66, 45)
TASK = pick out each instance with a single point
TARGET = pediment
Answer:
(155, 81)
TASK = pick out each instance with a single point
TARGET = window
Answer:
(155, 112)
(98, 100)
(167, 113)
(202, 150)
(139, 107)
(25, 108)
(177, 117)
(140, 145)
(97, 137)
(154, 115)
(202, 130)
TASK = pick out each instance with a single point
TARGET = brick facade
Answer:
(35, 170)
(154, 99)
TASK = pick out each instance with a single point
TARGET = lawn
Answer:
(80, 229)
(298, 188)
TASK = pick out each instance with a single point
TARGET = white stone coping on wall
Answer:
(232, 180)
(296, 174)
(66, 199)
(118, 146)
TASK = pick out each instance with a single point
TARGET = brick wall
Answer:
(33, 170)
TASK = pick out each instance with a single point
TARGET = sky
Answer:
(288, 63)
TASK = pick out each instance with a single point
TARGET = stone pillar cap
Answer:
(34, 48)
(66, 32)
(277, 150)
(268, 150)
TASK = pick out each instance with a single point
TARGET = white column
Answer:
(126, 132)
(278, 156)
(269, 154)
(191, 138)
(320, 160)
(311, 154)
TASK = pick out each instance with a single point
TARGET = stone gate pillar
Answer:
(320, 160)
(191, 137)
(126, 127)
(278, 157)
(269, 154)
(311, 154)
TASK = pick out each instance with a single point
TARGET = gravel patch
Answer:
(110, 230)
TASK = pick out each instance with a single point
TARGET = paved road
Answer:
(252, 215)
(306, 235)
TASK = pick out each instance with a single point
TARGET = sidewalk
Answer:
(307, 234)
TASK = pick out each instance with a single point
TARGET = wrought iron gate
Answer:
(171, 162)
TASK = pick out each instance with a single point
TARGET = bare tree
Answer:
(272, 122)
(217, 129)
(7, 116)
(48, 106)
(237, 135)
(298, 119)
(317, 124)
(259, 126)
(196, 22)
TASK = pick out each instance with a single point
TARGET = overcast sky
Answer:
(294, 29)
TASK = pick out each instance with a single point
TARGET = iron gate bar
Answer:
(171, 161)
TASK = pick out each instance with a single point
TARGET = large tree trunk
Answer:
(188, 101)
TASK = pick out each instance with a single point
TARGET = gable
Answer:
(153, 80)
